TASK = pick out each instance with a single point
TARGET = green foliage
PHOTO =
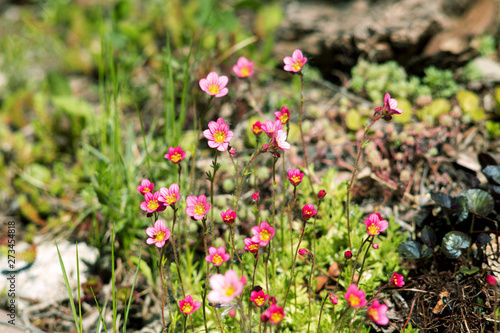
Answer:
(487, 45)
(469, 102)
(440, 82)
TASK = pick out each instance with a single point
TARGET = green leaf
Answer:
(405, 117)
(493, 171)
(428, 236)
(443, 200)
(74, 106)
(480, 201)
(353, 120)
(454, 242)
(410, 250)
(143, 267)
(469, 270)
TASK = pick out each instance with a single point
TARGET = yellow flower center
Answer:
(257, 129)
(259, 301)
(159, 236)
(153, 204)
(373, 229)
(276, 317)
(265, 235)
(373, 313)
(354, 300)
(254, 247)
(284, 118)
(199, 209)
(230, 291)
(227, 218)
(213, 89)
(219, 137)
(395, 281)
(146, 189)
(170, 199)
(217, 259)
(297, 65)
(187, 307)
(244, 71)
(175, 157)
(295, 179)
(307, 212)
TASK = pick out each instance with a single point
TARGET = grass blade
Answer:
(131, 293)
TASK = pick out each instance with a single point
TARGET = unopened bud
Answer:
(348, 254)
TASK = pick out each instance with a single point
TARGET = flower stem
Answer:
(357, 256)
(310, 293)
(320, 312)
(206, 277)
(293, 263)
(364, 258)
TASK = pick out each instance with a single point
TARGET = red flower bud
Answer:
(321, 194)
(348, 254)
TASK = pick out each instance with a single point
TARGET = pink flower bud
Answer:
(348, 254)
(321, 194)
(272, 300)
(303, 252)
(490, 279)
(255, 196)
(375, 246)
(232, 151)
(333, 298)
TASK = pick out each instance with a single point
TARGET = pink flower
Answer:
(263, 233)
(279, 141)
(283, 116)
(275, 314)
(308, 211)
(295, 176)
(225, 288)
(146, 186)
(271, 127)
(188, 305)
(217, 256)
(175, 154)
(376, 312)
(151, 203)
(258, 297)
(375, 246)
(169, 196)
(397, 280)
(295, 62)
(197, 207)
(390, 107)
(375, 225)
(348, 254)
(305, 252)
(232, 151)
(491, 280)
(355, 297)
(272, 300)
(228, 216)
(333, 298)
(218, 134)
(255, 196)
(158, 234)
(214, 85)
(321, 194)
(251, 246)
(257, 128)
(243, 67)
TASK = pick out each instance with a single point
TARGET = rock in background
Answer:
(415, 33)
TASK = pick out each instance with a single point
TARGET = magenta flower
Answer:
(308, 211)
(197, 207)
(251, 246)
(295, 176)
(255, 196)
(257, 128)
(283, 116)
(321, 194)
(333, 298)
(275, 314)
(232, 151)
(214, 85)
(491, 280)
(158, 234)
(305, 252)
(263, 233)
(279, 141)
(217, 256)
(188, 305)
(151, 203)
(348, 254)
(272, 127)
(218, 134)
(295, 62)
(397, 280)
(170, 195)
(375, 225)
(228, 216)
(376, 312)
(355, 297)
(390, 107)
(375, 246)
(258, 297)
(175, 154)
(243, 67)
(146, 186)
(225, 288)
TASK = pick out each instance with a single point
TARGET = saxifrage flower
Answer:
(145, 187)
(158, 234)
(228, 216)
(390, 107)
(283, 115)
(376, 312)
(151, 203)
(217, 256)
(295, 176)
(243, 67)
(218, 134)
(295, 62)
(308, 211)
(275, 314)
(263, 233)
(225, 288)
(375, 225)
(214, 85)
(170, 195)
(197, 207)
(355, 297)
(188, 305)
(258, 297)
(175, 154)
(397, 280)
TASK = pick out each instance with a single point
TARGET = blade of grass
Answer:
(113, 277)
(78, 281)
(131, 293)
(168, 96)
(101, 318)
(183, 111)
(68, 288)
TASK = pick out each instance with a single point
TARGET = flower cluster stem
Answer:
(321, 312)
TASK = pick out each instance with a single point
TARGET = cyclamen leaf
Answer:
(480, 201)
(428, 236)
(410, 250)
(454, 242)
(493, 172)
